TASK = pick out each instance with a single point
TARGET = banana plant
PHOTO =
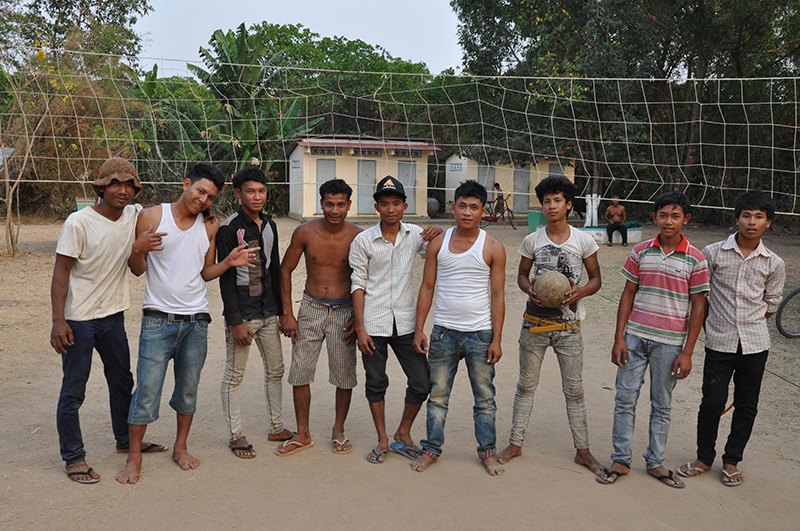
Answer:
(239, 75)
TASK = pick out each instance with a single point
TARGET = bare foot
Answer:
(292, 445)
(241, 448)
(493, 466)
(731, 476)
(422, 462)
(89, 475)
(611, 474)
(585, 458)
(184, 459)
(692, 469)
(133, 467)
(666, 477)
(341, 444)
(511, 451)
(285, 435)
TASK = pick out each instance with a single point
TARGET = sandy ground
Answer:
(314, 489)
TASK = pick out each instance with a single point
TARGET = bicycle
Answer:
(787, 318)
(492, 217)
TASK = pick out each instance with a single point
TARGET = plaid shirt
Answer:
(743, 291)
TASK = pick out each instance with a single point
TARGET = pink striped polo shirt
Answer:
(662, 303)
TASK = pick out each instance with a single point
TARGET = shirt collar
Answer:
(682, 247)
(264, 217)
(732, 244)
(376, 230)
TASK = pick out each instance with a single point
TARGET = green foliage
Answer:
(256, 123)
(104, 26)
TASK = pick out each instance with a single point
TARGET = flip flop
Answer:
(728, 483)
(678, 484)
(341, 445)
(73, 476)
(147, 448)
(689, 468)
(299, 447)
(377, 460)
(242, 449)
(605, 480)
(405, 451)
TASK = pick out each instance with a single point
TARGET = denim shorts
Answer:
(162, 339)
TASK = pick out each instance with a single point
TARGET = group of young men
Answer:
(358, 294)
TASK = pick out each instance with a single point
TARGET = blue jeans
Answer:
(447, 347)
(107, 335)
(661, 358)
(185, 342)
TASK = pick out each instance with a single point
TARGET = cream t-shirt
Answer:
(98, 280)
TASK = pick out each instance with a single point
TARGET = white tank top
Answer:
(463, 293)
(172, 280)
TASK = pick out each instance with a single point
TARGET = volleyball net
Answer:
(63, 113)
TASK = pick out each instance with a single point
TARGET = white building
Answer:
(361, 162)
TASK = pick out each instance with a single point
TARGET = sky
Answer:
(415, 30)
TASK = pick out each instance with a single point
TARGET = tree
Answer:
(239, 73)
(104, 26)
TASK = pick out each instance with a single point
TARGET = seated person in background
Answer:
(616, 217)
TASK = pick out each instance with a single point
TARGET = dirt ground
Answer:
(315, 489)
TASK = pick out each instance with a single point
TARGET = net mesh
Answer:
(64, 113)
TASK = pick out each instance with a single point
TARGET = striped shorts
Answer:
(316, 322)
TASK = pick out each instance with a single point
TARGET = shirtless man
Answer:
(326, 313)
(616, 217)
(178, 261)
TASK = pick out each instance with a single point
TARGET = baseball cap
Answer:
(389, 185)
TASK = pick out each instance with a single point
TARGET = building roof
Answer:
(367, 143)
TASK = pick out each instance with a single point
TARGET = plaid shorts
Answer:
(317, 321)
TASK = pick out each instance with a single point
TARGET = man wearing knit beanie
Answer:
(89, 294)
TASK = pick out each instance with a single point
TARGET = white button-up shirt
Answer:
(384, 271)
(743, 291)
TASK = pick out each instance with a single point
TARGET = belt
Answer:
(176, 317)
(544, 325)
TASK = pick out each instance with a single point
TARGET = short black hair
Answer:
(556, 184)
(471, 188)
(251, 173)
(335, 187)
(205, 170)
(674, 199)
(755, 200)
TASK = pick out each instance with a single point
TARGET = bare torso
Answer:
(327, 266)
(615, 214)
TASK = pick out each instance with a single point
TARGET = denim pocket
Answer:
(153, 324)
(201, 325)
(436, 346)
(484, 336)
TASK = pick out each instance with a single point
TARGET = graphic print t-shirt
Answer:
(566, 258)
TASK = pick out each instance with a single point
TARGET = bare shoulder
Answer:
(434, 245)
(212, 226)
(495, 246)
(353, 229)
(302, 232)
(149, 217)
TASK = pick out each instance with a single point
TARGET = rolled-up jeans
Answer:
(267, 338)
(661, 358)
(163, 339)
(568, 347)
(446, 349)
